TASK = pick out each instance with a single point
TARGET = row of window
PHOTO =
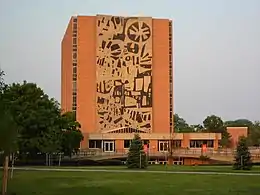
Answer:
(170, 76)
(163, 145)
(127, 143)
(74, 65)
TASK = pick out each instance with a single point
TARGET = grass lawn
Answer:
(103, 183)
(255, 169)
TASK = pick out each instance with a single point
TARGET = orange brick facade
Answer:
(235, 133)
(86, 45)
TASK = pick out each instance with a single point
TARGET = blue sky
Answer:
(217, 45)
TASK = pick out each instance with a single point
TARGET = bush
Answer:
(204, 158)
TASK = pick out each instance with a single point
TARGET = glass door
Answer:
(109, 146)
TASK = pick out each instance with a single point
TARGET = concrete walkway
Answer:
(135, 171)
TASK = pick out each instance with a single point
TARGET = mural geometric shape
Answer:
(124, 72)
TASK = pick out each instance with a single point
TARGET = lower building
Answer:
(120, 143)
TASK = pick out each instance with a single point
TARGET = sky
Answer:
(216, 48)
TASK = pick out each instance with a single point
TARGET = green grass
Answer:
(255, 169)
(103, 183)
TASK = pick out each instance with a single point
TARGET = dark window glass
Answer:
(75, 69)
(127, 143)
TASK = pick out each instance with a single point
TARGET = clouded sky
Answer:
(217, 48)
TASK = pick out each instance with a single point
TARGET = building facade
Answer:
(117, 76)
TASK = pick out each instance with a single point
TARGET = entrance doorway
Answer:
(109, 146)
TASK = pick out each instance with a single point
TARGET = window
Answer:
(74, 55)
(199, 143)
(74, 99)
(75, 69)
(75, 26)
(163, 146)
(74, 40)
(74, 86)
(127, 143)
(95, 144)
(210, 144)
(177, 143)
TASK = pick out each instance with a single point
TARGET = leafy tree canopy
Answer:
(1, 80)
(71, 134)
(180, 125)
(35, 114)
(214, 124)
(254, 134)
(239, 123)
(8, 128)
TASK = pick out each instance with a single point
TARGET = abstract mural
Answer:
(124, 73)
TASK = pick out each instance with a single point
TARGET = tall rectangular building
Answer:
(117, 76)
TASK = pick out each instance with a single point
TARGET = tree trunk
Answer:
(5, 175)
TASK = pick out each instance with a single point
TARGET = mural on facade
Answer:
(124, 72)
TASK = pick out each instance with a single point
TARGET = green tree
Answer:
(180, 125)
(214, 124)
(136, 157)
(242, 156)
(8, 134)
(225, 139)
(2, 83)
(239, 123)
(36, 115)
(71, 134)
(197, 128)
(254, 134)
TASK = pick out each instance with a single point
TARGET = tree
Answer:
(2, 84)
(254, 134)
(225, 139)
(37, 117)
(197, 128)
(136, 156)
(239, 123)
(8, 134)
(214, 124)
(242, 156)
(180, 125)
(71, 134)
